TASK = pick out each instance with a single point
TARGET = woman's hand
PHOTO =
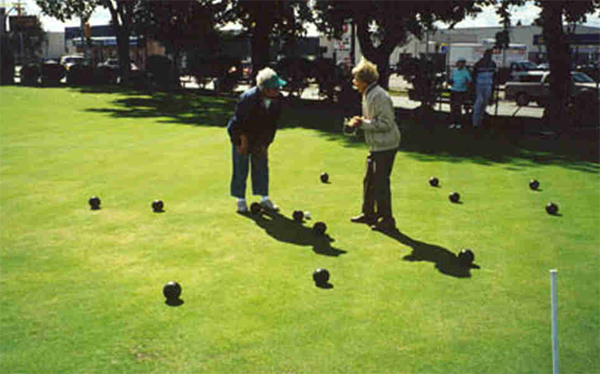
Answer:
(355, 121)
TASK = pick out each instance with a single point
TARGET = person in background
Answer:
(251, 130)
(383, 138)
(460, 80)
(485, 72)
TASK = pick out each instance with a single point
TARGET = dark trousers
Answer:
(377, 194)
(457, 100)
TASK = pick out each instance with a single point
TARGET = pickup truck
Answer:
(535, 86)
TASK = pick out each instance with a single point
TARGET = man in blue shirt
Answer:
(485, 71)
(461, 79)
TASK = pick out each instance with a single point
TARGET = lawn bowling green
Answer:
(82, 289)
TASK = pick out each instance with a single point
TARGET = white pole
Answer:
(553, 274)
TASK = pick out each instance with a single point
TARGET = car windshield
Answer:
(73, 59)
(528, 65)
(579, 77)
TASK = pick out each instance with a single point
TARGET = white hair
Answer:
(263, 76)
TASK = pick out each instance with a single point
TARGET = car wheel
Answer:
(522, 99)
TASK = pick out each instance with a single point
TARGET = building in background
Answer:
(585, 42)
(103, 45)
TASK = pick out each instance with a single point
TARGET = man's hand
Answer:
(243, 147)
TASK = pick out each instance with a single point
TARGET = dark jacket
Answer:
(252, 119)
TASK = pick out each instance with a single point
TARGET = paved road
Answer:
(505, 108)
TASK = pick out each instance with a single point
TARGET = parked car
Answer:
(544, 66)
(68, 61)
(113, 63)
(535, 86)
(519, 68)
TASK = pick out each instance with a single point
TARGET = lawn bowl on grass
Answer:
(552, 208)
(158, 206)
(324, 177)
(321, 277)
(298, 215)
(256, 208)
(319, 228)
(534, 184)
(434, 182)
(94, 202)
(172, 291)
(454, 197)
(466, 257)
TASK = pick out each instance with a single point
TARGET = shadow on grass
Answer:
(445, 261)
(187, 107)
(518, 141)
(287, 230)
(515, 141)
(174, 302)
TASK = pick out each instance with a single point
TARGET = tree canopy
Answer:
(383, 25)
(553, 17)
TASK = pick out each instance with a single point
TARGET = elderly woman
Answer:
(251, 130)
(383, 138)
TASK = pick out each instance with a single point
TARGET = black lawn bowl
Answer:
(454, 197)
(319, 228)
(298, 215)
(534, 184)
(255, 208)
(434, 182)
(158, 206)
(172, 291)
(324, 177)
(552, 208)
(321, 277)
(94, 202)
(349, 130)
(466, 257)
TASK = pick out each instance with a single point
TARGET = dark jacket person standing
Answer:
(383, 138)
(251, 130)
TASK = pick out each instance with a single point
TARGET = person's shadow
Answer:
(445, 261)
(287, 230)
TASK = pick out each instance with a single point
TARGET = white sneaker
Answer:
(458, 126)
(452, 126)
(268, 204)
(242, 206)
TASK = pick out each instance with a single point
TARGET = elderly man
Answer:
(485, 73)
(251, 130)
(383, 138)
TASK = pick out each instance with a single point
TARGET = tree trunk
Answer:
(261, 43)
(379, 55)
(123, 50)
(559, 58)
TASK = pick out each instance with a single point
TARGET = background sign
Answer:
(23, 23)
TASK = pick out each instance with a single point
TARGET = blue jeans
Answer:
(484, 93)
(260, 173)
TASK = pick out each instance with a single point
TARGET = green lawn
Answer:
(82, 290)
